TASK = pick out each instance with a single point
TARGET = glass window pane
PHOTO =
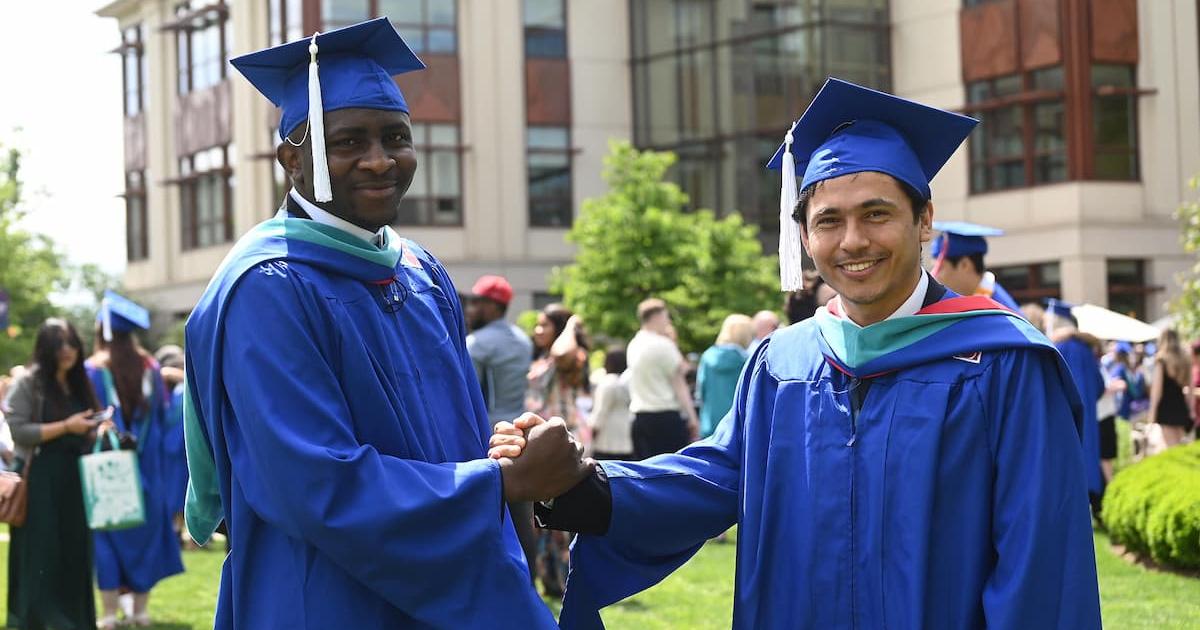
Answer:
(419, 187)
(335, 13)
(1119, 166)
(545, 13)
(445, 174)
(442, 40)
(403, 11)
(547, 138)
(697, 94)
(1048, 78)
(1005, 86)
(659, 30)
(440, 12)
(443, 135)
(1049, 275)
(695, 22)
(1112, 75)
(295, 19)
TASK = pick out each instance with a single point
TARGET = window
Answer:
(133, 70)
(718, 82)
(201, 39)
(1114, 122)
(435, 197)
(1030, 283)
(427, 26)
(1127, 288)
(545, 28)
(137, 245)
(285, 21)
(205, 199)
(548, 164)
(1021, 140)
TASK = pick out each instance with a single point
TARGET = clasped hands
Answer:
(539, 459)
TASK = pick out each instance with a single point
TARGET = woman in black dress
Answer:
(1168, 405)
(50, 557)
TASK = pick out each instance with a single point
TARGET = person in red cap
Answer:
(501, 353)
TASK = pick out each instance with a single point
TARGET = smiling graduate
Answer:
(907, 458)
(333, 417)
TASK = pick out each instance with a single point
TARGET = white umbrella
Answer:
(1106, 324)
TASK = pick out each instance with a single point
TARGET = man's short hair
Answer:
(650, 307)
(976, 261)
(915, 198)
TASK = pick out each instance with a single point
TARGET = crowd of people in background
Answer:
(643, 399)
(61, 405)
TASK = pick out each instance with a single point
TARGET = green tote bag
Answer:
(112, 487)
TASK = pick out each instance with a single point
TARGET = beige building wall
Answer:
(495, 236)
(1078, 224)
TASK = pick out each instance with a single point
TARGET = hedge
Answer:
(1153, 507)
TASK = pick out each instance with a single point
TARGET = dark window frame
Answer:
(214, 15)
(132, 43)
(282, 26)
(421, 47)
(1026, 101)
(137, 238)
(1138, 290)
(540, 31)
(427, 203)
(1035, 290)
(566, 202)
(189, 210)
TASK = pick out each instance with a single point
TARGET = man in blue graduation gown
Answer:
(333, 417)
(907, 458)
(958, 261)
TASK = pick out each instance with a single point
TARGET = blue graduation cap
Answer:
(960, 238)
(347, 67)
(852, 129)
(120, 314)
(1125, 347)
(1059, 308)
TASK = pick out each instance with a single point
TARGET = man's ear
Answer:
(925, 220)
(289, 157)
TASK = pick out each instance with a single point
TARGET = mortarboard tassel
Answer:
(316, 120)
(106, 319)
(791, 267)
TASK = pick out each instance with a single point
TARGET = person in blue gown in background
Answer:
(907, 458)
(958, 261)
(333, 418)
(1080, 352)
(126, 377)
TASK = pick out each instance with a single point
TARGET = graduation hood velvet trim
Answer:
(950, 327)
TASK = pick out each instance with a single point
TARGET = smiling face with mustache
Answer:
(371, 164)
(865, 240)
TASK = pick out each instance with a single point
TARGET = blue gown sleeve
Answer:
(663, 510)
(295, 456)
(1045, 571)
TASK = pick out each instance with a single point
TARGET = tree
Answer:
(1187, 306)
(636, 241)
(30, 268)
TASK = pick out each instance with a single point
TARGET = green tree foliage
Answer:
(30, 268)
(637, 241)
(1187, 306)
(1153, 507)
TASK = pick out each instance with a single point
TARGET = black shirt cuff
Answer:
(584, 509)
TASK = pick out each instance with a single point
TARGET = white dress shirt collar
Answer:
(322, 216)
(909, 307)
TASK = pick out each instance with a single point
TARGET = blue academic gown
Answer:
(1003, 297)
(950, 495)
(1085, 372)
(176, 474)
(139, 557)
(335, 423)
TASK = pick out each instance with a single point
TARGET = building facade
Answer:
(511, 123)
(1089, 108)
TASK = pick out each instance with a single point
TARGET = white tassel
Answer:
(106, 319)
(791, 267)
(322, 190)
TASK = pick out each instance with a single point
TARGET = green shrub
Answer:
(1153, 507)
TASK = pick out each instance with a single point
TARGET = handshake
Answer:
(539, 459)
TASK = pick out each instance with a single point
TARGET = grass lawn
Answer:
(699, 595)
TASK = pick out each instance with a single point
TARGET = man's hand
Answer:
(548, 461)
(508, 438)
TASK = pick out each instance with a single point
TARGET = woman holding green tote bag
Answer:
(127, 377)
(49, 409)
